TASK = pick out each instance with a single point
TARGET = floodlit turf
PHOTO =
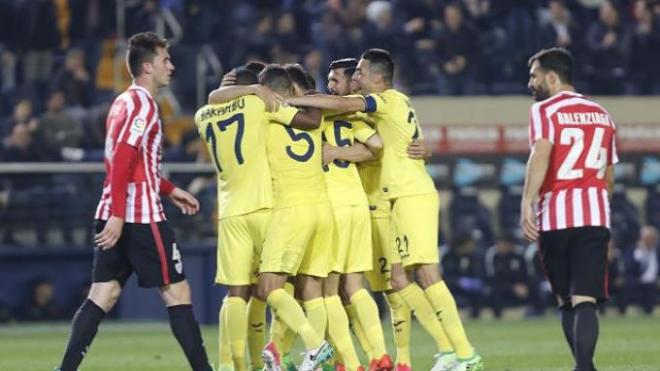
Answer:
(626, 344)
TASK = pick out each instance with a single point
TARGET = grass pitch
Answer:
(630, 343)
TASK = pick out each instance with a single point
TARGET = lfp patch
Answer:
(138, 126)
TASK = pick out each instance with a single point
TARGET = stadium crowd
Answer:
(56, 85)
(447, 47)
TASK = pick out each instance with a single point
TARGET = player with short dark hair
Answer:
(300, 234)
(301, 78)
(350, 139)
(414, 206)
(132, 232)
(569, 171)
(255, 66)
(234, 132)
(245, 76)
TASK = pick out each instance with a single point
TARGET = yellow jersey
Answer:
(396, 122)
(236, 133)
(343, 180)
(370, 173)
(295, 158)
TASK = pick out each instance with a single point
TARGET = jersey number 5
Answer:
(223, 125)
(296, 137)
(341, 142)
(596, 157)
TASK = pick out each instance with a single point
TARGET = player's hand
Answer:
(329, 154)
(186, 202)
(417, 150)
(228, 79)
(272, 99)
(528, 222)
(110, 233)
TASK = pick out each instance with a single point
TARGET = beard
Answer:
(539, 93)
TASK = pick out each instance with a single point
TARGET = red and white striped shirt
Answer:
(134, 120)
(574, 192)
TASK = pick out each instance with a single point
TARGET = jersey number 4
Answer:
(239, 119)
(596, 157)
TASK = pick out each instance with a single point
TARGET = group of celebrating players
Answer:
(310, 201)
(317, 192)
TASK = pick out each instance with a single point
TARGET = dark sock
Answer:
(585, 335)
(567, 319)
(84, 326)
(186, 330)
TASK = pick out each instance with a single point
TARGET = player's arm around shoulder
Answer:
(367, 146)
(306, 118)
(227, 93)
(337, 104)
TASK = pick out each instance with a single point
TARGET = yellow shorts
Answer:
(240, 241)
(352, 249)
(299, 241)
(415, 221)
(381, 237)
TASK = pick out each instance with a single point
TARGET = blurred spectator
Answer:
(616, 278)
(141, 16)
(479, 13)
(257, 40)
(287, 43)
(540, 295)
(57, 127)
(468, 212)
(560, 29)
(313, 65)
(21, 145)
(74, 80)
(509, 209)
(607, 47)
(506, 274)
(463, 272)
(643, 269)
(624, 215)
(22, 115)
(8, 44)
(351, 14)
(421, 19)
(28, 194)
(41, 305)
(457, 47)
(381, 31)
(40, 37)
(644, 50)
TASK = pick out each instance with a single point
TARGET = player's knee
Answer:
(242, 292)
(176, 294)
(352, 284)
(399, 281)
(427, 275)
(331, 285)
(105, 294)
(264, 288)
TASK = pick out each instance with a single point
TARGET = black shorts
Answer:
(148, 249)
(575, 261)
